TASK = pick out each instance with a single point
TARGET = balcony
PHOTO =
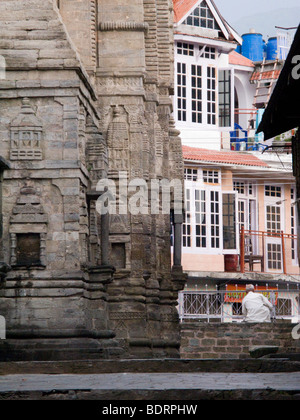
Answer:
(267, 252)
(240, 139)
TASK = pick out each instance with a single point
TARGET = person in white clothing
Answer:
(255, 306)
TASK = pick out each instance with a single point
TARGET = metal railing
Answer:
(226, 305)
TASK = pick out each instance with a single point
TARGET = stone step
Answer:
(150, 365)
(51, 349)
(58, 343)
(290, 356)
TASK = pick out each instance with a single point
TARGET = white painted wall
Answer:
(245, 91)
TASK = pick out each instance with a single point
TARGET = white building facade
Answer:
(210, 77)
(227, 191)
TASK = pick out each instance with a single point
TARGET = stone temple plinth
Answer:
(87, 97)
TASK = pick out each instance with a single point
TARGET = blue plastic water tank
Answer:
(253, 46)
(239, 49)
(272, 49)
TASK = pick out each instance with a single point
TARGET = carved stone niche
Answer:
(26, 135)
(118, 255)
(119, 224)
(120, 252)
(118, 141)
(28, 231)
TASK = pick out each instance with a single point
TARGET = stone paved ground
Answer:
(152, 381)
(141, 380)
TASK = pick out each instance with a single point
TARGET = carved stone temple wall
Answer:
(87, 96)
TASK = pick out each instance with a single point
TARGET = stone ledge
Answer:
(259, 351)
(150, 366)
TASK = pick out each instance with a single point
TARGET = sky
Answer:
(262, 15)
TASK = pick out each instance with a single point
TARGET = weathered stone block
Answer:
(259, 351)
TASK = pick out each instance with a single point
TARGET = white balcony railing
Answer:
(226, 305)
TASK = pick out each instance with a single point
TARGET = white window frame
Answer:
(230, 128)
(194, 173)
(215, 24)
(189, 49)
(247, 198)
(215, 14)
(208, 188)
(183, 109)
(188, 211)
(214, 171)
(195, 89)
(193, 186)
(204, 63)
(276, 198)
(209, 92)
(273, 201)
(295, 261)
(207, 49)
(237, 250)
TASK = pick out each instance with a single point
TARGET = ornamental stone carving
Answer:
(123, 26)
(118, 141)
(28, 226)
(26, 135)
